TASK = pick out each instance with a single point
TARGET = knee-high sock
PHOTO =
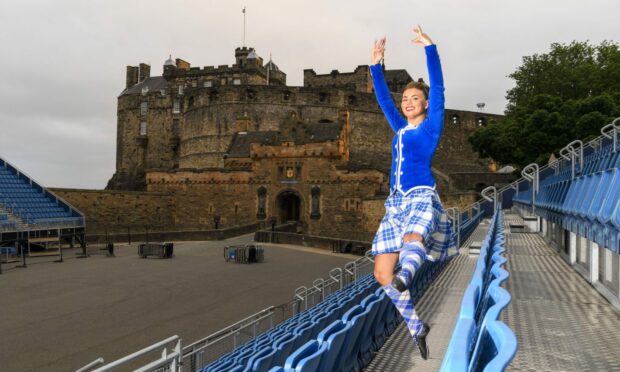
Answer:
(411, 257)
(402, 301)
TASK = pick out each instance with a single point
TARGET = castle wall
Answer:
(115, 211)
(358, 80)
(187, 174)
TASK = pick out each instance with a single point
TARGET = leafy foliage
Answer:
(566, 94)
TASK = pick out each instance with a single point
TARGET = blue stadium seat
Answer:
(496, 347)
(483, 301)
(320, 322)
(284, 346)
(334, 337)
(380, 332)
(303, 332)
(368, 330)
(353, 346)
(307, 358)
(262, 360)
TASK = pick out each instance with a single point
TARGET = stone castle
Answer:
(234, 145)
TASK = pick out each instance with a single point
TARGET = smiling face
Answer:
(414, 103)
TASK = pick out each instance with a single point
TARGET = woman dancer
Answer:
(414, 223)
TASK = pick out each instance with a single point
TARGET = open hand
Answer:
(378, 50)
(422, 38)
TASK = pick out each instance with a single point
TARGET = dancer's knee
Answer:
(384, 277)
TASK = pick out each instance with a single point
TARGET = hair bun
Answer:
(420, 80)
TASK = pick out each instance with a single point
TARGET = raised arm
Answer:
(436, 99)
(382, 92)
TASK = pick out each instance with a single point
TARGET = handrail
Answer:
(530, 173)
(233, 326)
(336, 275)
(166, 359)
(575, 152)
(138, 353)
(485, 195)
(319, 285)
(615, 128)
(455, 215)
(90, 365)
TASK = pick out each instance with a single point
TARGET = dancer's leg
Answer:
(412, 255)
(384, 273)
(404, 304)
(384, 267)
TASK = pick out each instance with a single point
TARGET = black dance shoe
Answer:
(420, 340)
(401, 281)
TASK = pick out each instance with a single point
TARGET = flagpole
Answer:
(243, 25)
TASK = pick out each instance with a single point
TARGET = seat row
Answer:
(295, 331)
(587, 205)
(341, 333)
(480, 342)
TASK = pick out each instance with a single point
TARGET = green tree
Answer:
(566, 94)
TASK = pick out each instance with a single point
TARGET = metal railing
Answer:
(200, 353)
(455, 215)
(569, 154)
(170, 360)
(306, 297)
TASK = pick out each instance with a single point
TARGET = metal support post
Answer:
(531, 173)
(611, 131)
(493, 198)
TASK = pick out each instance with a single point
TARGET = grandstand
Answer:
(542, 292)
(29, 213)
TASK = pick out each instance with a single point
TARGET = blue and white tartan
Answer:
(418, 212)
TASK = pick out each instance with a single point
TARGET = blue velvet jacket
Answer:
(413, 148)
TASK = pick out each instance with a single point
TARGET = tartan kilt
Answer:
(418, 212)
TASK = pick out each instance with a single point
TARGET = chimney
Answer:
(132, 76)
(145, 72)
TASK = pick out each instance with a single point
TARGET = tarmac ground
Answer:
(61, 316)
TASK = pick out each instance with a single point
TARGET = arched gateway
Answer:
(289, 206)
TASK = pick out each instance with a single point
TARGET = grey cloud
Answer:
(64, 61)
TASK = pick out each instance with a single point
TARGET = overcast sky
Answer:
(63, 62)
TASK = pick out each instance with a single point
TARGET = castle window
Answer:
(144, 108)
(194, 84)
(261, 213)
(143, 128)
(315, 194)
(223, 81)
(190, 101)
(162, 92)
(456, 120)
(180, 90)
(250, 94)
(175, 127)
(322, 97)
(213, 96)
(208, 84)
(351, 100)
(286, 95)
(145, 90)
(236, 82)
(481, 122)
(176, 108)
